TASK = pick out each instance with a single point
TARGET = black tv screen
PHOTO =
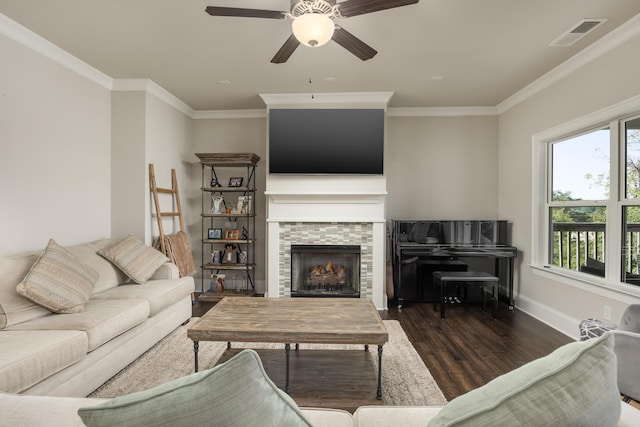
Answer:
(326, 141)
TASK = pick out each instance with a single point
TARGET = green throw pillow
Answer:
(576, 385)
(235, 393)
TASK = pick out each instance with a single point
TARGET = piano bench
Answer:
(465, 278)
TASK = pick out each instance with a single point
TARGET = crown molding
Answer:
(229, 114)
(369, 99)
(442, 112)
(151, 87)
(28, 38)
(610, 41)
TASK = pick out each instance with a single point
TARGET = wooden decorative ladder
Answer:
(155, 190)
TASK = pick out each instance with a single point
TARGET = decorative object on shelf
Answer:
(235, 181)
(244, 205)
(217, 201)
(215, 257)
(216, 284)
(245, 233)
(214, 183)
(242, 257)
(231, 234)
(215, 233)
(230, 254)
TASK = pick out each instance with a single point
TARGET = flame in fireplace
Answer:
(329, 273)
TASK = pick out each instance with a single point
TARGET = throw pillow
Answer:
(576, 385)
(235, 393)
(134, 258)
(58, 281)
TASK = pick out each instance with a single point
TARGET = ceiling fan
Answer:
(313, 23)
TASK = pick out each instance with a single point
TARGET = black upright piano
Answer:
(421, 247)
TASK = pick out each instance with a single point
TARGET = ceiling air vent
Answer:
(577, 32)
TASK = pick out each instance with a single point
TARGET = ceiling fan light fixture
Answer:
(313, 29)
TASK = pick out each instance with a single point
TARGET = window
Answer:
(587, 198)
(580, 186)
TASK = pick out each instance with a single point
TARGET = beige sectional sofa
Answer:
(575, 386)
(50, 354)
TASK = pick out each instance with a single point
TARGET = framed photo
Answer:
(235, 181)
(231, 234)
(215, 233)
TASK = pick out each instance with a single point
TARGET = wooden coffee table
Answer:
(293, 320)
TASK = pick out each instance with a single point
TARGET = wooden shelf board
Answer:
(210, 266)
(228, 159)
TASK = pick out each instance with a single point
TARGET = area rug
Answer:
(405, 378)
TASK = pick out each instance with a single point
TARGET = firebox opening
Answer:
(325, 270)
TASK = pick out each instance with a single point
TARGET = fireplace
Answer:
(325, 270)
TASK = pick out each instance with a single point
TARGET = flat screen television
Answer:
(326, 141)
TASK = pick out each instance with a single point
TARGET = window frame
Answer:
(614, 118)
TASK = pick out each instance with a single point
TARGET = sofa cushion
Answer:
(14, 308)
(326, 417)
(235, 393)
(405, 416)
(28, 357)
(102, 320)
(58, 281)
(160, 293)
(134, 258)
(110, 276)
(23, 410)
(573, 386)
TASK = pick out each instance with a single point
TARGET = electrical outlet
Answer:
(606, 313)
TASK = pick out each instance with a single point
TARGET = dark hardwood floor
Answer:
(468, 348)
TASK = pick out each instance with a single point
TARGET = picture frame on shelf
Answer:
(244, 205)
(235, 181)
(214, 233)
(231, 234)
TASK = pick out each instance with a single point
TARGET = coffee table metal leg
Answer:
(287, 350)
(379, 390)
(196, 345)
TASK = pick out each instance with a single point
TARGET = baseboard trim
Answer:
(549, 316)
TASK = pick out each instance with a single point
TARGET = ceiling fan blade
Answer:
(360, 7)
(286, 50)
(353, 44)
(244, 13)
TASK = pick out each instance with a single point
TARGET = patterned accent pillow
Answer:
(134, 258)
(58, 281)
(593, 328)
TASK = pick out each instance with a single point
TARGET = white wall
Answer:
(442, 168)
(168, 146)
(601, 83)
(146, 129)
(55, 164)
(128, 191)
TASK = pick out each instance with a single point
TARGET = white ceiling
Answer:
(437, 53)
